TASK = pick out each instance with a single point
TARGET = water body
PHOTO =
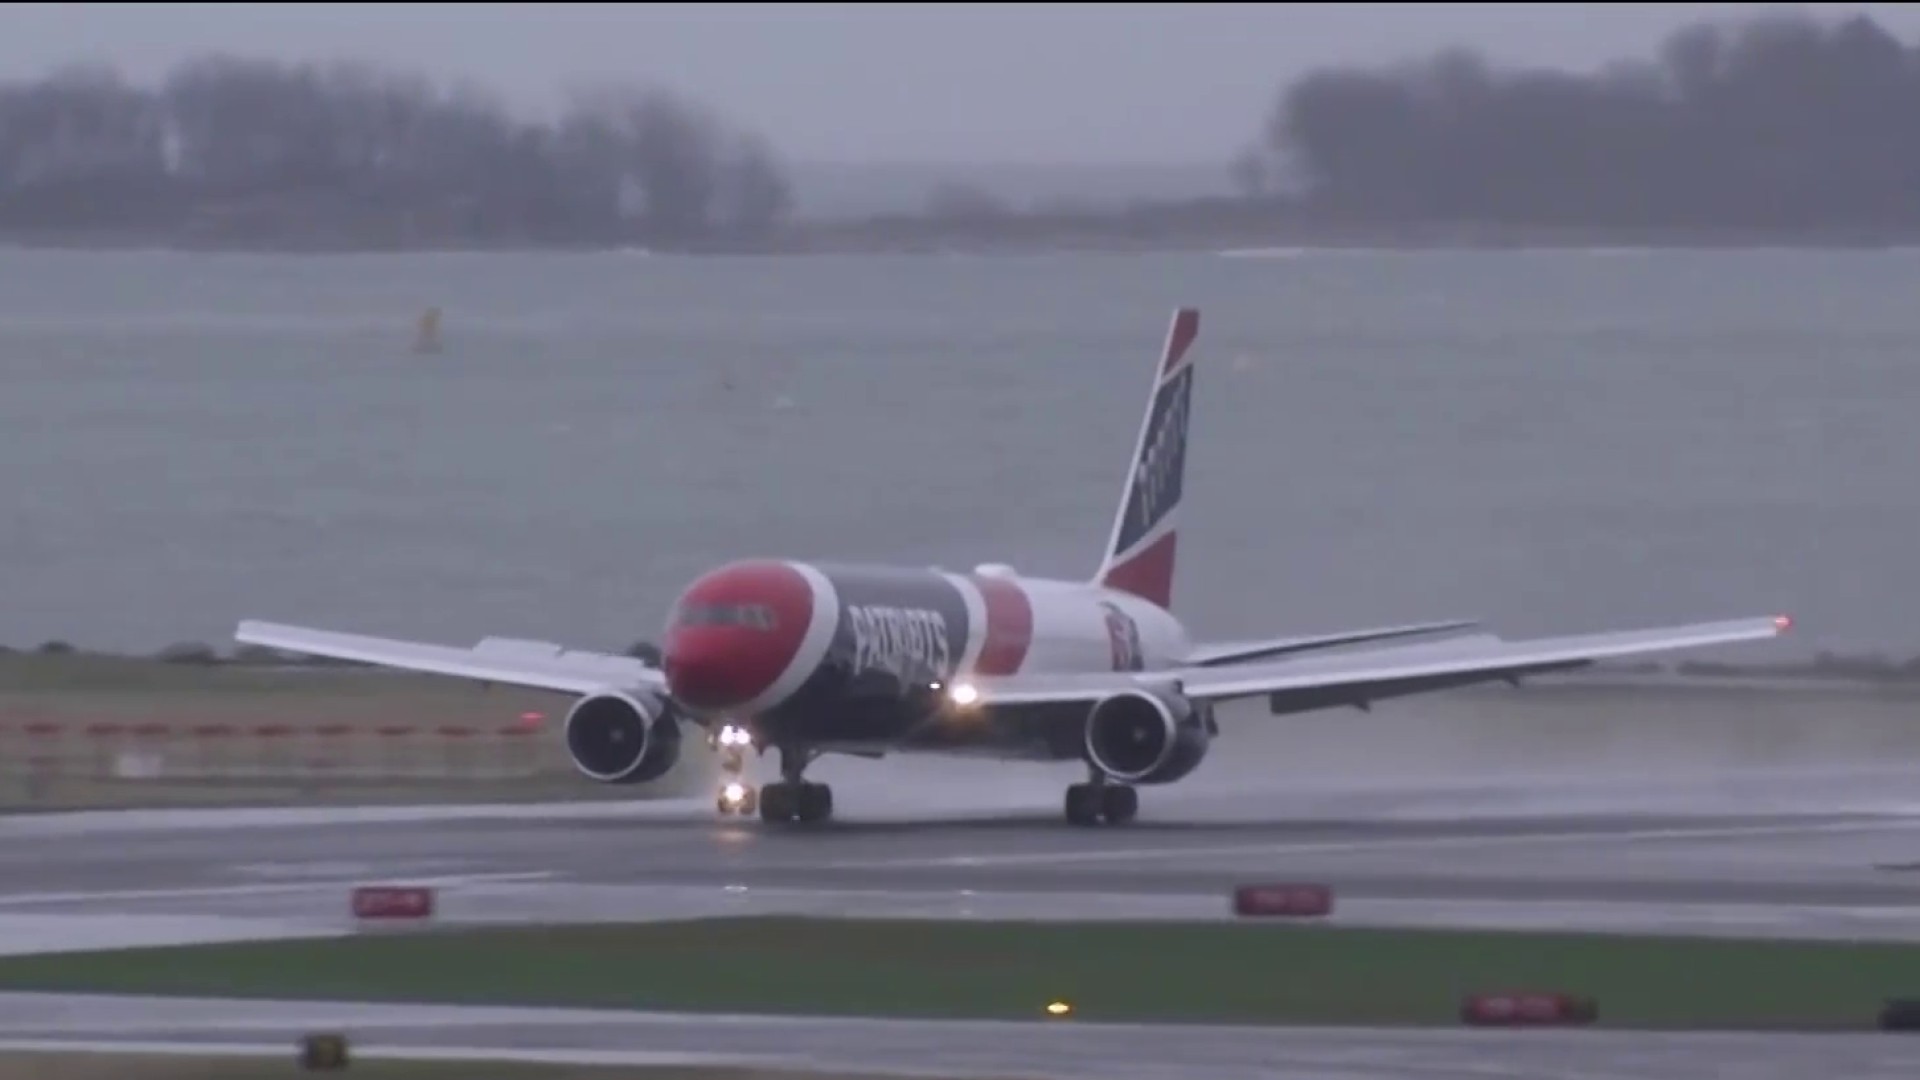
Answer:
(1551, 441)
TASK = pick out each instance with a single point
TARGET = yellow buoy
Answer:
(426, 335)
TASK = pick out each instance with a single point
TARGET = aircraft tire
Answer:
(803, 803)
(1083, 804)
(1119, 803)
(777, 803)
(815, 803)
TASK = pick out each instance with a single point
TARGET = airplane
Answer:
(811, 658)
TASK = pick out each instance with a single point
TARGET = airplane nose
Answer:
(705, 678)
(734, 640)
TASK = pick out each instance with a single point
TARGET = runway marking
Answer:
(658, 1058)
(215, 891)
(1284, 847)
(321, 870)
(142, 1011)
(329, 870)
(111, 822)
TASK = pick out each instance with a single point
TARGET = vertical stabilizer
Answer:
(1140, 551)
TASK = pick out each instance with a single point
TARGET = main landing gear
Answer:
(1101, 802)
(793, 799)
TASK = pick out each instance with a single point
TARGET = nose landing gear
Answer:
(789, 799)
(737, 796)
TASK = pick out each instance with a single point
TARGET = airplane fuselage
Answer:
(845, 656)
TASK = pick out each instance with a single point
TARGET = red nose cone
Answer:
(735, 634)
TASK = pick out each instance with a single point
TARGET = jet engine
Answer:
(617, 738)
(1145, 736)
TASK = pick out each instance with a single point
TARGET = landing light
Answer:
(1059, 1008)
(734, 736)
(734, 793)
(964, 693)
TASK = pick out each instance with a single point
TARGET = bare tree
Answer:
(1780, 122)
(237, 145)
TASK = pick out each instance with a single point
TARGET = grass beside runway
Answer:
(110, 1066)
(1193, 972)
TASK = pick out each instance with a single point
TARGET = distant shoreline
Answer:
(1130, 235)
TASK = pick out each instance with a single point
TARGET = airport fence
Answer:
(68, 762)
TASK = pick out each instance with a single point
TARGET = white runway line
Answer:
(102, 822)
(35, 935)
(215, 892)
(1175, 850)
(359, 1052)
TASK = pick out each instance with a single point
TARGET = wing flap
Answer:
(537, 664)
(1299, 685)
(1240, 652)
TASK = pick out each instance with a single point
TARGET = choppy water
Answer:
(1551, 441)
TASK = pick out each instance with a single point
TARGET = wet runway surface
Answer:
(1398, 857)
(1816, 853)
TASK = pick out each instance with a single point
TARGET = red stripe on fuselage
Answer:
(1148, 573)
(1009, 626)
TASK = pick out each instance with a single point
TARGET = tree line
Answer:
(1776, 125)
(1780, 123)
(228, 148)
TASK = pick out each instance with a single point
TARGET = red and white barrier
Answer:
(1293, 901)
(392, 903)
(43, 750)
(1527, 1010)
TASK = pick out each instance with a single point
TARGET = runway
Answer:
(1810, 852)
(1664, 855)
(1071, 1051)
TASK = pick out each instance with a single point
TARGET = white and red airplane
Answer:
(811, 658)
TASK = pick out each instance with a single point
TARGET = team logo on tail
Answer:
(1140, 555)
(1160, 472)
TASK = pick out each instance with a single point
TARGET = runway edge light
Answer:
(324, 1052)
(1899, 1014)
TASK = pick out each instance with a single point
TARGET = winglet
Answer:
(1141, 548)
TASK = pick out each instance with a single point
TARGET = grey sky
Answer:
(870, 83)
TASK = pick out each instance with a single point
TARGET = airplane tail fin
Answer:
(1140, 552)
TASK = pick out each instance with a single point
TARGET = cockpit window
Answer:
(751, 616)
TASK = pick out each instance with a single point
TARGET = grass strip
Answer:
(1193, 972)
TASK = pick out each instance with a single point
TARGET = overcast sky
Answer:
(872, 83)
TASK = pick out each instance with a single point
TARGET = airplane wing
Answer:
(537, 664)
(1210, 654)
(1357, 680)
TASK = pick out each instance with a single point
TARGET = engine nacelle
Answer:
(1148, 737)
(616, 738)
